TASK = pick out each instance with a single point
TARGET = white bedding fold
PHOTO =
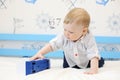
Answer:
(9, 71)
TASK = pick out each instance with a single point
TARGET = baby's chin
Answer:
(73, 40)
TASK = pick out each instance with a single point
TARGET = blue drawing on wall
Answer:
(70, 3)
(2, 4)
(102, 2)
(109, 47)
(43, 21)
(31, 1)
(53, 22)
(17, 24)
(114, 23)
(33, 45)
(46, 22)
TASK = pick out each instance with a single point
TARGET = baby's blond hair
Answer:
(79, 15)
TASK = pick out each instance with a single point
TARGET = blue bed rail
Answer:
(110, 54)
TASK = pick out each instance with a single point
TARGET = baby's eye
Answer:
(71, 32)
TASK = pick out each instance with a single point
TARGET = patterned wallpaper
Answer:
(46, 16)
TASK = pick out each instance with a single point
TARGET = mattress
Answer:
(12, 68)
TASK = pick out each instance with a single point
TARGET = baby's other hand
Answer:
(91, 72)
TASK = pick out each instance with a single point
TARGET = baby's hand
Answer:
(37, 57)
(91, 72)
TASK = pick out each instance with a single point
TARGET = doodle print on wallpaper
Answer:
(114, 23)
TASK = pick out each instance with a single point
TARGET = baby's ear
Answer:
(85, 30)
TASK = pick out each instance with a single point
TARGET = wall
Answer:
(46, 16)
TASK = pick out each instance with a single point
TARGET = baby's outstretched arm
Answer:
(47, 48)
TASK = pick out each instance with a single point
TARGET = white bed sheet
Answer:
(11, 69)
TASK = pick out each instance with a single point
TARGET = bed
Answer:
(11, 68)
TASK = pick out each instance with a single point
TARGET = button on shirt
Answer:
(76, 53)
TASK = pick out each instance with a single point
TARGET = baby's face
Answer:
(73, 32)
